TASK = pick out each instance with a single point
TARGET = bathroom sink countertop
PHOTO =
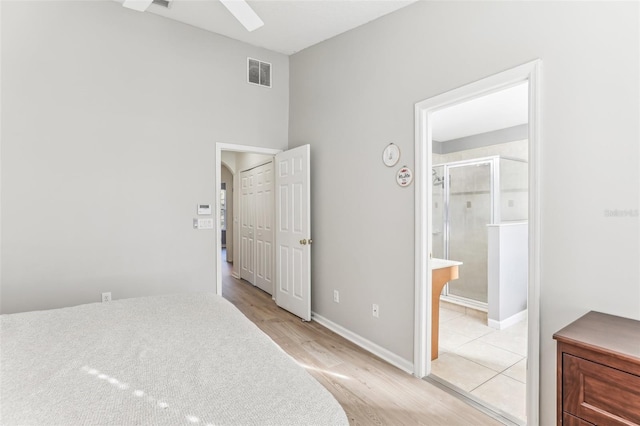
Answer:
(443, 263)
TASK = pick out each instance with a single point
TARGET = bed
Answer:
(164, 360)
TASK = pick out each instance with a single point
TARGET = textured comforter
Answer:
(182, 359)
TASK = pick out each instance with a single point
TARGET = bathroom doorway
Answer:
(476, 158)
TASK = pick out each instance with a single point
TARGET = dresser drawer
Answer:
(599, 394)
(569, 420)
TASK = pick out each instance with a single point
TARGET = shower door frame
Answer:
(494, 185)
(528, 72)
(496, 193)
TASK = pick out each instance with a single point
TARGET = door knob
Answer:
(303, 242)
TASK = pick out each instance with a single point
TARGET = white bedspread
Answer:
(182, 359)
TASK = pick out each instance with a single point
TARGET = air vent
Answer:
(163, 3)
(259, 72)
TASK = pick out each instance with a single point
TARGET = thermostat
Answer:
(204, 208)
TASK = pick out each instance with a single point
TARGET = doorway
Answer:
(426, 231)
(247, 216)
(292, 219)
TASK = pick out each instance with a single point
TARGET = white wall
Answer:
(507, 272)
(229, 159)
(109, 123)
(353, 94)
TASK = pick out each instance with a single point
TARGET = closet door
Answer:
(264, 210)
(247, 226)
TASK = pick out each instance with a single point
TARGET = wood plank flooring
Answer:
(371, 391)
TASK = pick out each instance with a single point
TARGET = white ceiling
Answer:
(289, 25)
(499, 110)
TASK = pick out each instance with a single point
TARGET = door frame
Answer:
(235, 148)
(423, 199)
(223, 165)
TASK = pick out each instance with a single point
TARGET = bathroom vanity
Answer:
(442, 271)
(599, 371)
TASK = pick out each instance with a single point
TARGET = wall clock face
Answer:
(391, 155)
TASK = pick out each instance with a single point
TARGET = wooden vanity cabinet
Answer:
(599, 371)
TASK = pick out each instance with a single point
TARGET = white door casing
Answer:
(423, 244)
(293, 227)
(247, 226)
(264, 222)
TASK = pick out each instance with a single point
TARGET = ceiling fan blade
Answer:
(139, 5)
(243, 13)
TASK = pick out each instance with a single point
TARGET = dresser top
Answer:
(598, 331)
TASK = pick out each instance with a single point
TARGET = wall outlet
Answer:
(106, 297)
(336, 296)
(375, 310)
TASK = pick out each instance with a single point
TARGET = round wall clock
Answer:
(391, 155)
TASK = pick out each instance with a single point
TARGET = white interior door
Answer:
(264, 203)
(247, 226)
(293, 227)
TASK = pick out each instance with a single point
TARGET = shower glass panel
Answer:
(468, 195)
(514, 190)
(438, 213)
(470, 210)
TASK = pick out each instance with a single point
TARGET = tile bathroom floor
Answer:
(489, 364)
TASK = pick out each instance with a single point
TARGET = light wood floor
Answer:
(371, 391)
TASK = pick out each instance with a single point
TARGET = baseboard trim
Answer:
(507, 322)
(235, 275)
(365, 344)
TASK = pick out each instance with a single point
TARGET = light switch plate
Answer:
(205, 223)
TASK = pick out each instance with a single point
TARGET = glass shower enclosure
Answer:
(467, 196)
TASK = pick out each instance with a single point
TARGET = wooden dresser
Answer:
(599, 371)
